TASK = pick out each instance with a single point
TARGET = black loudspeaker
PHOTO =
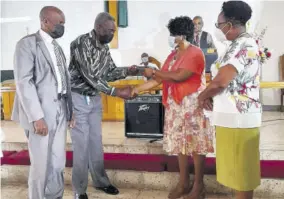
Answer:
(7, 75)
(144, 117)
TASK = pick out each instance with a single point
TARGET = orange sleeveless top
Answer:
(193, 60)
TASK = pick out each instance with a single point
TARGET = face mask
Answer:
(58, 31)
(172, 42)
(105, 39)
(220, 36)
(144, 59)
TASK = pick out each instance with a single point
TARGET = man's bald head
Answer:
(52, 21)
(105, 27)
(102, 18)
(198, 17)
(198, 23)
(47, 11)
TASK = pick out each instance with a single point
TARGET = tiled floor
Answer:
(271, 138)
(141, 180)
(15, 192)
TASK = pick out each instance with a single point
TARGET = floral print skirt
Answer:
(186, 128)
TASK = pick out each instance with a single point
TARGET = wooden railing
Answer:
(113, 106)
(263, 85)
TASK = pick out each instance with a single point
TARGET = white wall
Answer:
(146, 31)
(79, 19)
(273, 17)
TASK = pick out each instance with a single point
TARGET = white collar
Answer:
(198, 33)
(46, 37)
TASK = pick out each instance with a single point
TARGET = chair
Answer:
(281, 67)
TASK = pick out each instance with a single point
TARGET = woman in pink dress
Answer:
(187, 132)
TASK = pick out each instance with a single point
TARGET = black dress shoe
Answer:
(83, 196)
(109, 190)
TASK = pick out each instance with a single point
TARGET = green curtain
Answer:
(106, 6)
(122, 14)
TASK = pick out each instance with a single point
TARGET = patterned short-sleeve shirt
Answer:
(238, 106)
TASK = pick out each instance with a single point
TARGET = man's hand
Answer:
(72, 122)
(40, 127)
(134, 93)
(132, 71)
(124, 93)
(148, 72)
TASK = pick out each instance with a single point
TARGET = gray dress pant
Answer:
(87, 143)
(48, 157)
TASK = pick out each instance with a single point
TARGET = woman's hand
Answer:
(145, 87)
(148, 72)
(206, 104)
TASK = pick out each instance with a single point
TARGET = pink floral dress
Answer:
(186, 128)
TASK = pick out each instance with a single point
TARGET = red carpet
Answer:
(18, 158)
(147, 162)
(137, 162)
(5, 155)
(172, 165)
(272, 168)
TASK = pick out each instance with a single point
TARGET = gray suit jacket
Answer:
(36, 84)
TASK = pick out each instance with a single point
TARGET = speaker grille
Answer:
(144, 117)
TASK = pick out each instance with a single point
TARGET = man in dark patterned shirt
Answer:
(91, 67)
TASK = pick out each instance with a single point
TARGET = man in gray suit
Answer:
(43, 103)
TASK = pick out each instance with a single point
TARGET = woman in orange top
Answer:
(187, 132)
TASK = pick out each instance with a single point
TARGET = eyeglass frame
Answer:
(217, 25)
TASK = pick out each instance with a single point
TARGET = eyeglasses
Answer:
(218, 24)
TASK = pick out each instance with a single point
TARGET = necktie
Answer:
(60, 63)
(197, 40)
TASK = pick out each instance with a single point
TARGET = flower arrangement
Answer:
(264, 52)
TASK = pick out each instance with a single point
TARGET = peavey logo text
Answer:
(144, 107)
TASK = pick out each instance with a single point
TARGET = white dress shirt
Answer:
(209, 39)
(50, 47)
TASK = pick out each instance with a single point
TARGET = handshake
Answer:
(130, 92)
(127, 92)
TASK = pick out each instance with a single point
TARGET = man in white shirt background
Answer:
(202, 38)
(150, 62)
